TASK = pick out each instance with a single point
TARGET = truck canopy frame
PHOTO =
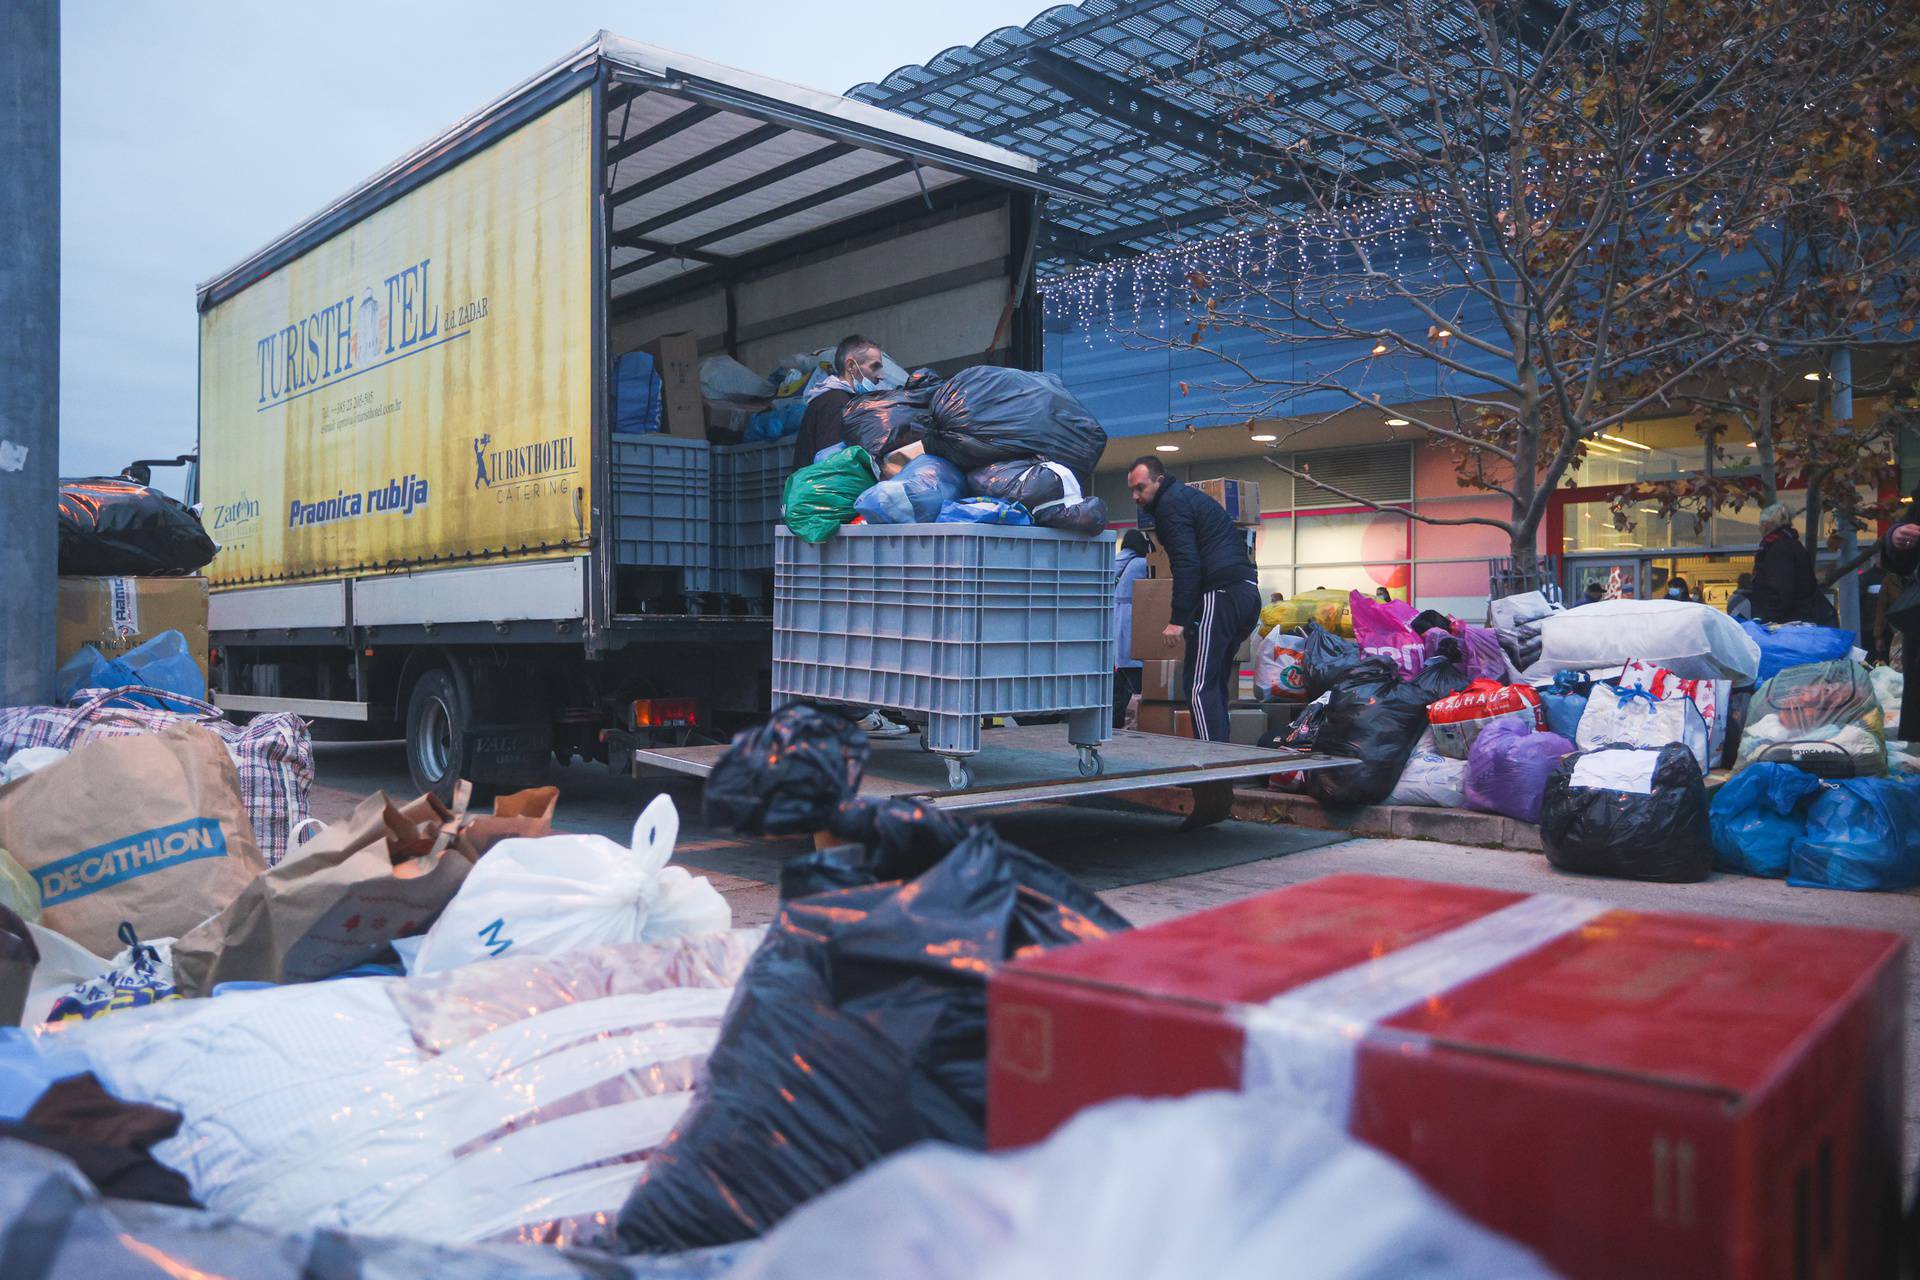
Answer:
(689, 165)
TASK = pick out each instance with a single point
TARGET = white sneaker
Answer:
(876, 725)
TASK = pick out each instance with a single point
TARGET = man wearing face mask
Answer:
(857, 370)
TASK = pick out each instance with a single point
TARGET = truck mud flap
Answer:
(513, 754)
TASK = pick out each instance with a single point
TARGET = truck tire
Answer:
(437, 719)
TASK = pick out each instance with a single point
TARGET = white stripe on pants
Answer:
(1197, 678)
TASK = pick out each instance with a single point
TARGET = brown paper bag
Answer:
(147, 829)
(337, 901)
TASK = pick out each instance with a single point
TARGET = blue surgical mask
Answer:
(866, 386)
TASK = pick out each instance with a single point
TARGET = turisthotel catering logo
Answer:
(366, 328)
(520, 464)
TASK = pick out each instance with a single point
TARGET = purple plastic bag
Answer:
(1508, 766)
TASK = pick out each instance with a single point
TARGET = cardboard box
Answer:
(1171, 719)
(1240, 498)
(1163, 680)
(728, 420)
(117, 614)
(1158, 565)
(1630, 1093)
(1246, 727)
(676, 358)
(1152, 606)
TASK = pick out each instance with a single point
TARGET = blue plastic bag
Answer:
(1862, 833)
(636, 394)
(916, 495)
(1757, 815)
(1563, 703)
(161, 663)
(1796, 645)
(778, 422)
(983, 511)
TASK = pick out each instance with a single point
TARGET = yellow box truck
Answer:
(429, 524)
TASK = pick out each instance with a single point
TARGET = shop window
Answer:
(1656, 450)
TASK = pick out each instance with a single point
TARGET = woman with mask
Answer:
(1129, 568)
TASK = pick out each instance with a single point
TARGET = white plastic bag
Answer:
(31, 760)
(1279, 669)
(1430, 778)
(1617, 717)
(724, 378)
(1711, 696)
(1889, 686)
(530, 1111)
(1694, 641)
(1509, 613)
(569, 892)
(1227, 1186)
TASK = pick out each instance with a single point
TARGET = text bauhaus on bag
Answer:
(147, 829)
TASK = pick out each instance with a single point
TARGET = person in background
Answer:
(1215, 601)
(857, 369)
(1129, 568)
(1594, 594)
(1383, 595)
(1740, 603)
(1900, 554)
(1784, 589)
(1271, 614)
(1677, 589)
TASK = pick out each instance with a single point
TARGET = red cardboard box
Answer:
(1629, 1093)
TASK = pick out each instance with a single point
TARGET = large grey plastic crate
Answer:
(747, 484)
(663, 506)
(949, 623)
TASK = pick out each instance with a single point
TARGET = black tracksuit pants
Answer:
(1227, 617)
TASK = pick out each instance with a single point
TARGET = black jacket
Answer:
(1205, 549)
(819, 427)
(1783, 585)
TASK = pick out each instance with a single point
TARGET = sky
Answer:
(194, 132)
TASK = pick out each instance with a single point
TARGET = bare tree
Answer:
(1543, 230)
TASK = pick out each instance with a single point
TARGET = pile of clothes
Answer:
(990, 445)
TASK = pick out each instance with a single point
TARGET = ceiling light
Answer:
(1444, 333)
(1752, 445)
(1379, 348)
(1603, 448)
(1631, 444)
(1652, 511)
(1167, 448)
(1265, 439)
(1398, 422)
(1813, 377)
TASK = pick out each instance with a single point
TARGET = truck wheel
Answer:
(436, 733)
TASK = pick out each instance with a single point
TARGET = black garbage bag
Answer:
(1631, 812)
(1376, 718)
(858, 1029)
(1049, 490)
(990, 414)
(882, 421)
(1328, 658)
(110, 527)
(787, 776)
(1427, 619)
(890, 839)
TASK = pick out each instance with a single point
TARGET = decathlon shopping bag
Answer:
(146, 829)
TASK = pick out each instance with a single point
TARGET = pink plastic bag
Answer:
(1382, 629)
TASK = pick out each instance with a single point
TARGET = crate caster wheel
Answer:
(1092, 765)
(959, 776)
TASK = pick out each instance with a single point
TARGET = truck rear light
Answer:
(662, 713)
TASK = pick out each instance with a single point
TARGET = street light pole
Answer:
(29, 345)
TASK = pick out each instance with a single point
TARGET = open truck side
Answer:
(406, 443)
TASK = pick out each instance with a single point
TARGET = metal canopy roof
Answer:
(1112, 94)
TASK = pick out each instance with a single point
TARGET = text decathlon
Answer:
(396, 497)
(142, 854)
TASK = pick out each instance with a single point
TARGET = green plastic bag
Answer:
(819, 498)
(19, 891)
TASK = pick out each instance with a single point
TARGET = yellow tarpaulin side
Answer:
(420, 385)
